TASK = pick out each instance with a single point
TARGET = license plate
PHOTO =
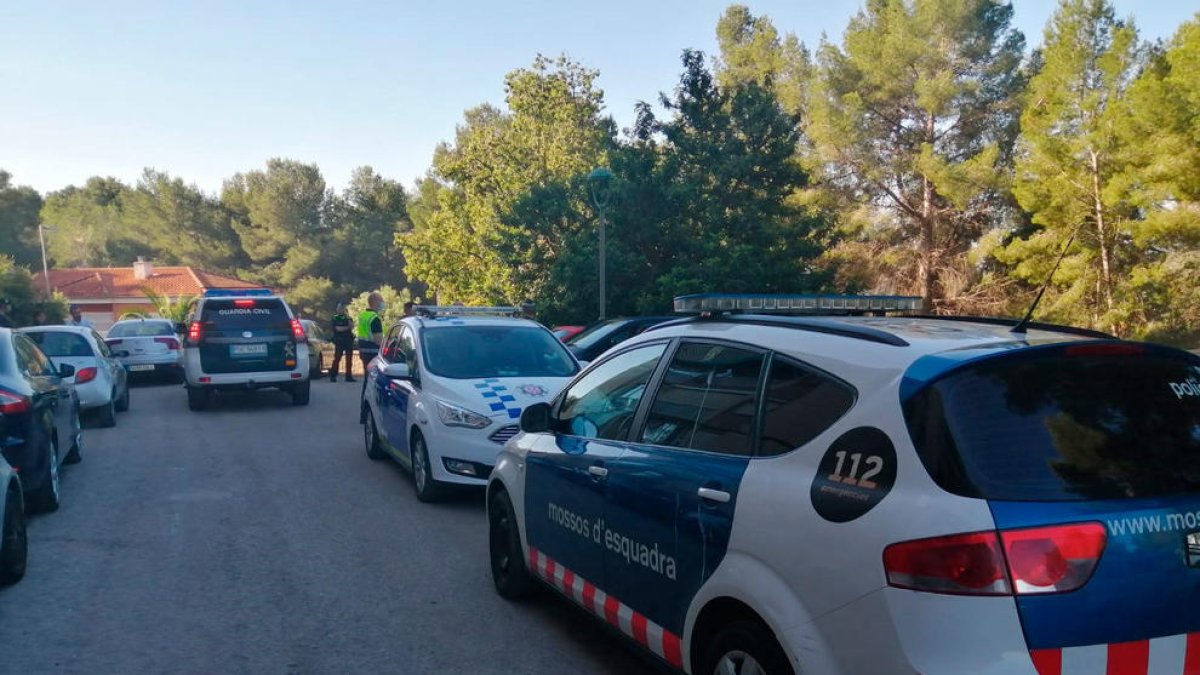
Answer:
(134, 369)
(248, 350)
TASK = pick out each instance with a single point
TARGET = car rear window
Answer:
(256, 314)
(141, 329)
(1079, 422)
(55, 343)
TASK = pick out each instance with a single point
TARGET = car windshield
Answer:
(595, 333)
(141, 329)
(478, 351)
(61, 343)
(1063, 425)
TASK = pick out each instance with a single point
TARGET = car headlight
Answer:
(455, 416)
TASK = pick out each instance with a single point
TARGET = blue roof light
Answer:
(768, 303)
(236, 292)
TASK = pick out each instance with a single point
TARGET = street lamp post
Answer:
(600, 182)
(45, 268)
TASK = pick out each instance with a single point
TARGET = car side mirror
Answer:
(535, 419)
(397, 371)
(66, 370)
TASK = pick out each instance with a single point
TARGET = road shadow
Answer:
(248, 401)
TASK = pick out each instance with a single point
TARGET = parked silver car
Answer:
(147, 347)
(99, 379)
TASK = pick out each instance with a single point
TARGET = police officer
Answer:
(370, 336)
(343, 343)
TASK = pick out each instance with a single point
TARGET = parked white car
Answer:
(147, 347)
(99, 379)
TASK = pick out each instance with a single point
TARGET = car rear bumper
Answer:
(94, 394)
(244, 381)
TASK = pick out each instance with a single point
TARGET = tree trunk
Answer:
(929, 276)
(1101, 234)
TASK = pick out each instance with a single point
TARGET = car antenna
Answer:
(1024, 322)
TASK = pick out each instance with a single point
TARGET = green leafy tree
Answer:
(181, 224)
(466, 242)
(912, 120)
(19, 207)
(89, 225)
(752, 52)
(17, 286)
(1071, 166)
(367, 217)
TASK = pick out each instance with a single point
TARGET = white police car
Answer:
(448, 387)
(757, 493)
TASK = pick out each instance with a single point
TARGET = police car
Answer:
(244, 339)
(448, 387)
(751, 491)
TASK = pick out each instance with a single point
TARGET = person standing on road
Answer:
(408, 309)
(370, 336)
(77, 318)
(343, 343)
(5, 321)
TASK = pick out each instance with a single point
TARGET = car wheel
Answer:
(108, 414)
(14, 545)
(47, 498)
(316, 373)
(123, 402)
(428, 489)
(509, 572)
(197, 398)
(300, 393)
(371, 438)
(745, 647)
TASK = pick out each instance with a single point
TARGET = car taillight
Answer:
(194, 332)
(964, 564)
(84, 375)
(1105, 349)
(1053, 559)
(170, 342)
(243, 303)
(14, 404)
(298, 331)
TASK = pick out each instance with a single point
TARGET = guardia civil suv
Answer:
(244, 339)
(752, 492)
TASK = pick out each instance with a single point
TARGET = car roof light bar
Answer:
(458, 310)
(757, 303)
(236, 292)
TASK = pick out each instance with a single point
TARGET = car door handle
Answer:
(598, 471)
(709, 494)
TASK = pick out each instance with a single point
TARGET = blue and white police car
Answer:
(448, 387)
(752, 492)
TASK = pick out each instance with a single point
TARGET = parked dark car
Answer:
(41, 416)
(13, 546)
(600, 336)
(320, 348)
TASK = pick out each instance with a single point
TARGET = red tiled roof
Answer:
(95, 283)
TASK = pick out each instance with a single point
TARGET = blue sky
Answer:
(205, 89)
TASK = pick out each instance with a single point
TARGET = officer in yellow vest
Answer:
(369, 331)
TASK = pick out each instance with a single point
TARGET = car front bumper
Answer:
(462, 455)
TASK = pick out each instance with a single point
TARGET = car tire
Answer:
(15, 547)
(197, 398)
(108, 414)
(510, 574)
(301, 392)
(428, 488)
(745, 646)
(48, 496)
(318, 372)
(371, 438)
(123, 402)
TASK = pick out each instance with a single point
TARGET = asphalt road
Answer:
(258, 538)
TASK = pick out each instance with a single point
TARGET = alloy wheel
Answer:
(738, 662)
